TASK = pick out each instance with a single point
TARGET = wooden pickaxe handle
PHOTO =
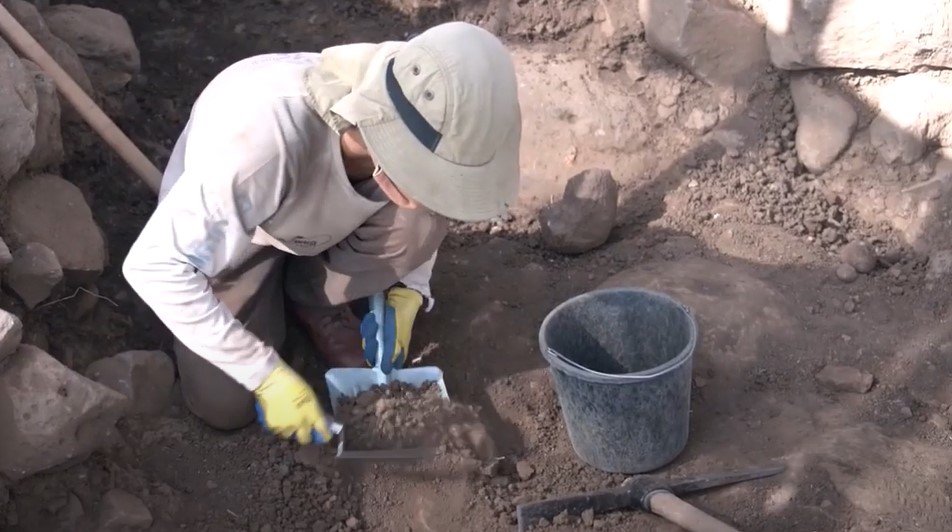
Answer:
(686, 516)
(21, 39)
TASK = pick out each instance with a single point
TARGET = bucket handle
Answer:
(576, 365)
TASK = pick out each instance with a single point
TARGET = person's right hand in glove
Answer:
(287, 406)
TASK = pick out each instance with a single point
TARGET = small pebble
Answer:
(829, 235)
(524, 470)
(858, 255)
(845, 379)
(846, 273)
(588, 517)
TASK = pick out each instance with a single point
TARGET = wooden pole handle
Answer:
(688, 517)
(21, 39)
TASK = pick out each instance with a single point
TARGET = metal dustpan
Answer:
(349, 382)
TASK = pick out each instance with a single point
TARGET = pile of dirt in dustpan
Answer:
(400, 416)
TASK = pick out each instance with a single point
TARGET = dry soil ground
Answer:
(720, 233)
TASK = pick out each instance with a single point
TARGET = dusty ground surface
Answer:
(745, 238)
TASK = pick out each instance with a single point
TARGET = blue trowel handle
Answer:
(378, 303)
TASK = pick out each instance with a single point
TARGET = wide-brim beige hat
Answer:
(440, 115)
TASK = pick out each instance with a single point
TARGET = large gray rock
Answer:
(34, 273)
(859, 34)
(718, 43)
(11, 332)
(30, 18)
(39, 205)
(102, 39)
(48, 148)
(145, 377)
(50, 415)
(585, 216)
(18, 110)
(915, 112)
(825, 123)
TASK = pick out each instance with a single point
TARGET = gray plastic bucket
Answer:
(621, 361)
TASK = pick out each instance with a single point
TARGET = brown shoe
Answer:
(335, 332)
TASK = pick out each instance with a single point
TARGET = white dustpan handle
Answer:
(377, 307)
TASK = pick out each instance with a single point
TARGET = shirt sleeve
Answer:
(419, 280)
(203, 226)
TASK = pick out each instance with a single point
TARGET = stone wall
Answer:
(52, 247)
(871, 86)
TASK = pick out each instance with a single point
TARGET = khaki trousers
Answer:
(376, 256)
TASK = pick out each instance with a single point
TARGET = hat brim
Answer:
(464, 193)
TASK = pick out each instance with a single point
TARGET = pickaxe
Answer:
(650, 493)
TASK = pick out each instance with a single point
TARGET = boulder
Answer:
(18, 107)
(915, 111)
(585, 216)
(825, 123)
(103, 40)
(50, 415)
(715, 41)
(48, 148)
(34, 273)
(860, 34)
(38, 206)
(11, 333)
(144, 377)
(30, 18)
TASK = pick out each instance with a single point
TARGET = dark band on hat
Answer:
(421, 129)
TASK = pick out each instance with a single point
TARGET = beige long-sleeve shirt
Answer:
(250, 144)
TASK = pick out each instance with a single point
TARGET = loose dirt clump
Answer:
(401, 416)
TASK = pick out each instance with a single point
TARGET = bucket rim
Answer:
(556, 362)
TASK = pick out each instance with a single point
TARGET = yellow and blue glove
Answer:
(400, 311)
(287, 406)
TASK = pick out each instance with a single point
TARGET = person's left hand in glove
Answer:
(400, 311)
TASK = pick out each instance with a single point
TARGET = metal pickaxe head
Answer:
(634, 493)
